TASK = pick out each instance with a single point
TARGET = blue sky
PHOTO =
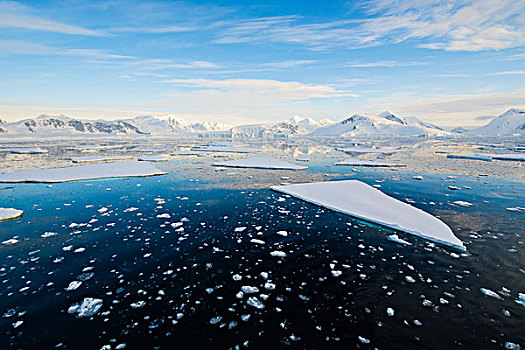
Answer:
(447, 62)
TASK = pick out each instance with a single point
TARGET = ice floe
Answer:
(82, 172)
(507, 156)
(467, 156)
(7, 214)
(364, 150)
(365, 202)
(94, 159)
(87, 308)
(35, 150)
(261, 163)
(154, 159)
(367, 163)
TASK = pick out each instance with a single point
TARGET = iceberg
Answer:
(36, 150)
(357, 199)
(7, 214)
(261, 163)
(468, 156)
(82, 172)
(368, 163)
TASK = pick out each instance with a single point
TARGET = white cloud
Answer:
(16, 15)
(29, 48)
(509, 72)
(468, 25)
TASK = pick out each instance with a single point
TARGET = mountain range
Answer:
(511, 123)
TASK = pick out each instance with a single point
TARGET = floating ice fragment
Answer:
(73, 285)
(249, 289)
(7, 214)
(390, 312)
(10, 241)
(278, 253)
(257, 241)
(87, 308)
(256, 303)
(490, 293)
(462, 203)
(282, 233)
(138, 304)
(395, 238)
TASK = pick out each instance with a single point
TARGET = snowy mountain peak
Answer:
(384, 124)
(510, 123)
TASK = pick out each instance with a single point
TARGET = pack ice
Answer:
(365, 202)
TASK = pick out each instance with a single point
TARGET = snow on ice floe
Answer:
(395, 238)
(7, 214)
(154, 159)
(367, 163)
(507, 156)
(260, 163)
(364, 150)
(82, 172)
(87, 308)
(468, 156)
(36, 150)
(189, 153)
(99, 159)
(365, 202)
(225, 149)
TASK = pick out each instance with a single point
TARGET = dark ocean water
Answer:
(342, 283)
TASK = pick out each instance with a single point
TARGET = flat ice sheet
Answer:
(10, 214)
(368, 163)
(365, 202)
(189, 153)
(226, 149)
(99, 159)
(83, 172)
(35, 150)
(370, 150)
(153, 159)
(468, 156)
(507, 156)
(261, 163)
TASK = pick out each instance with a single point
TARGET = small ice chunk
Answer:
(249, 289)
(278, 253)
(87, 308)
(395, 238)
(73, 285)
(490, 293)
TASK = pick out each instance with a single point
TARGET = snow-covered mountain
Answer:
(510, 123)
(384, 124)
(459, 130)
(172, 125)
(45, 125)
(294, 126)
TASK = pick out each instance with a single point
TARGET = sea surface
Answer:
(174, 262)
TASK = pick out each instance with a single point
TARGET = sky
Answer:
(446, 62)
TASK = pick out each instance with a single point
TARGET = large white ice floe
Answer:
(7, 214)
(36, 150)
(261, 163)
(87, 308)
(469, 156)
(225, 149)
(82, 172)
(506, 156)
(154, 159)
(367, 163)
(364, 150)
(365, 202)
(99, 159)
